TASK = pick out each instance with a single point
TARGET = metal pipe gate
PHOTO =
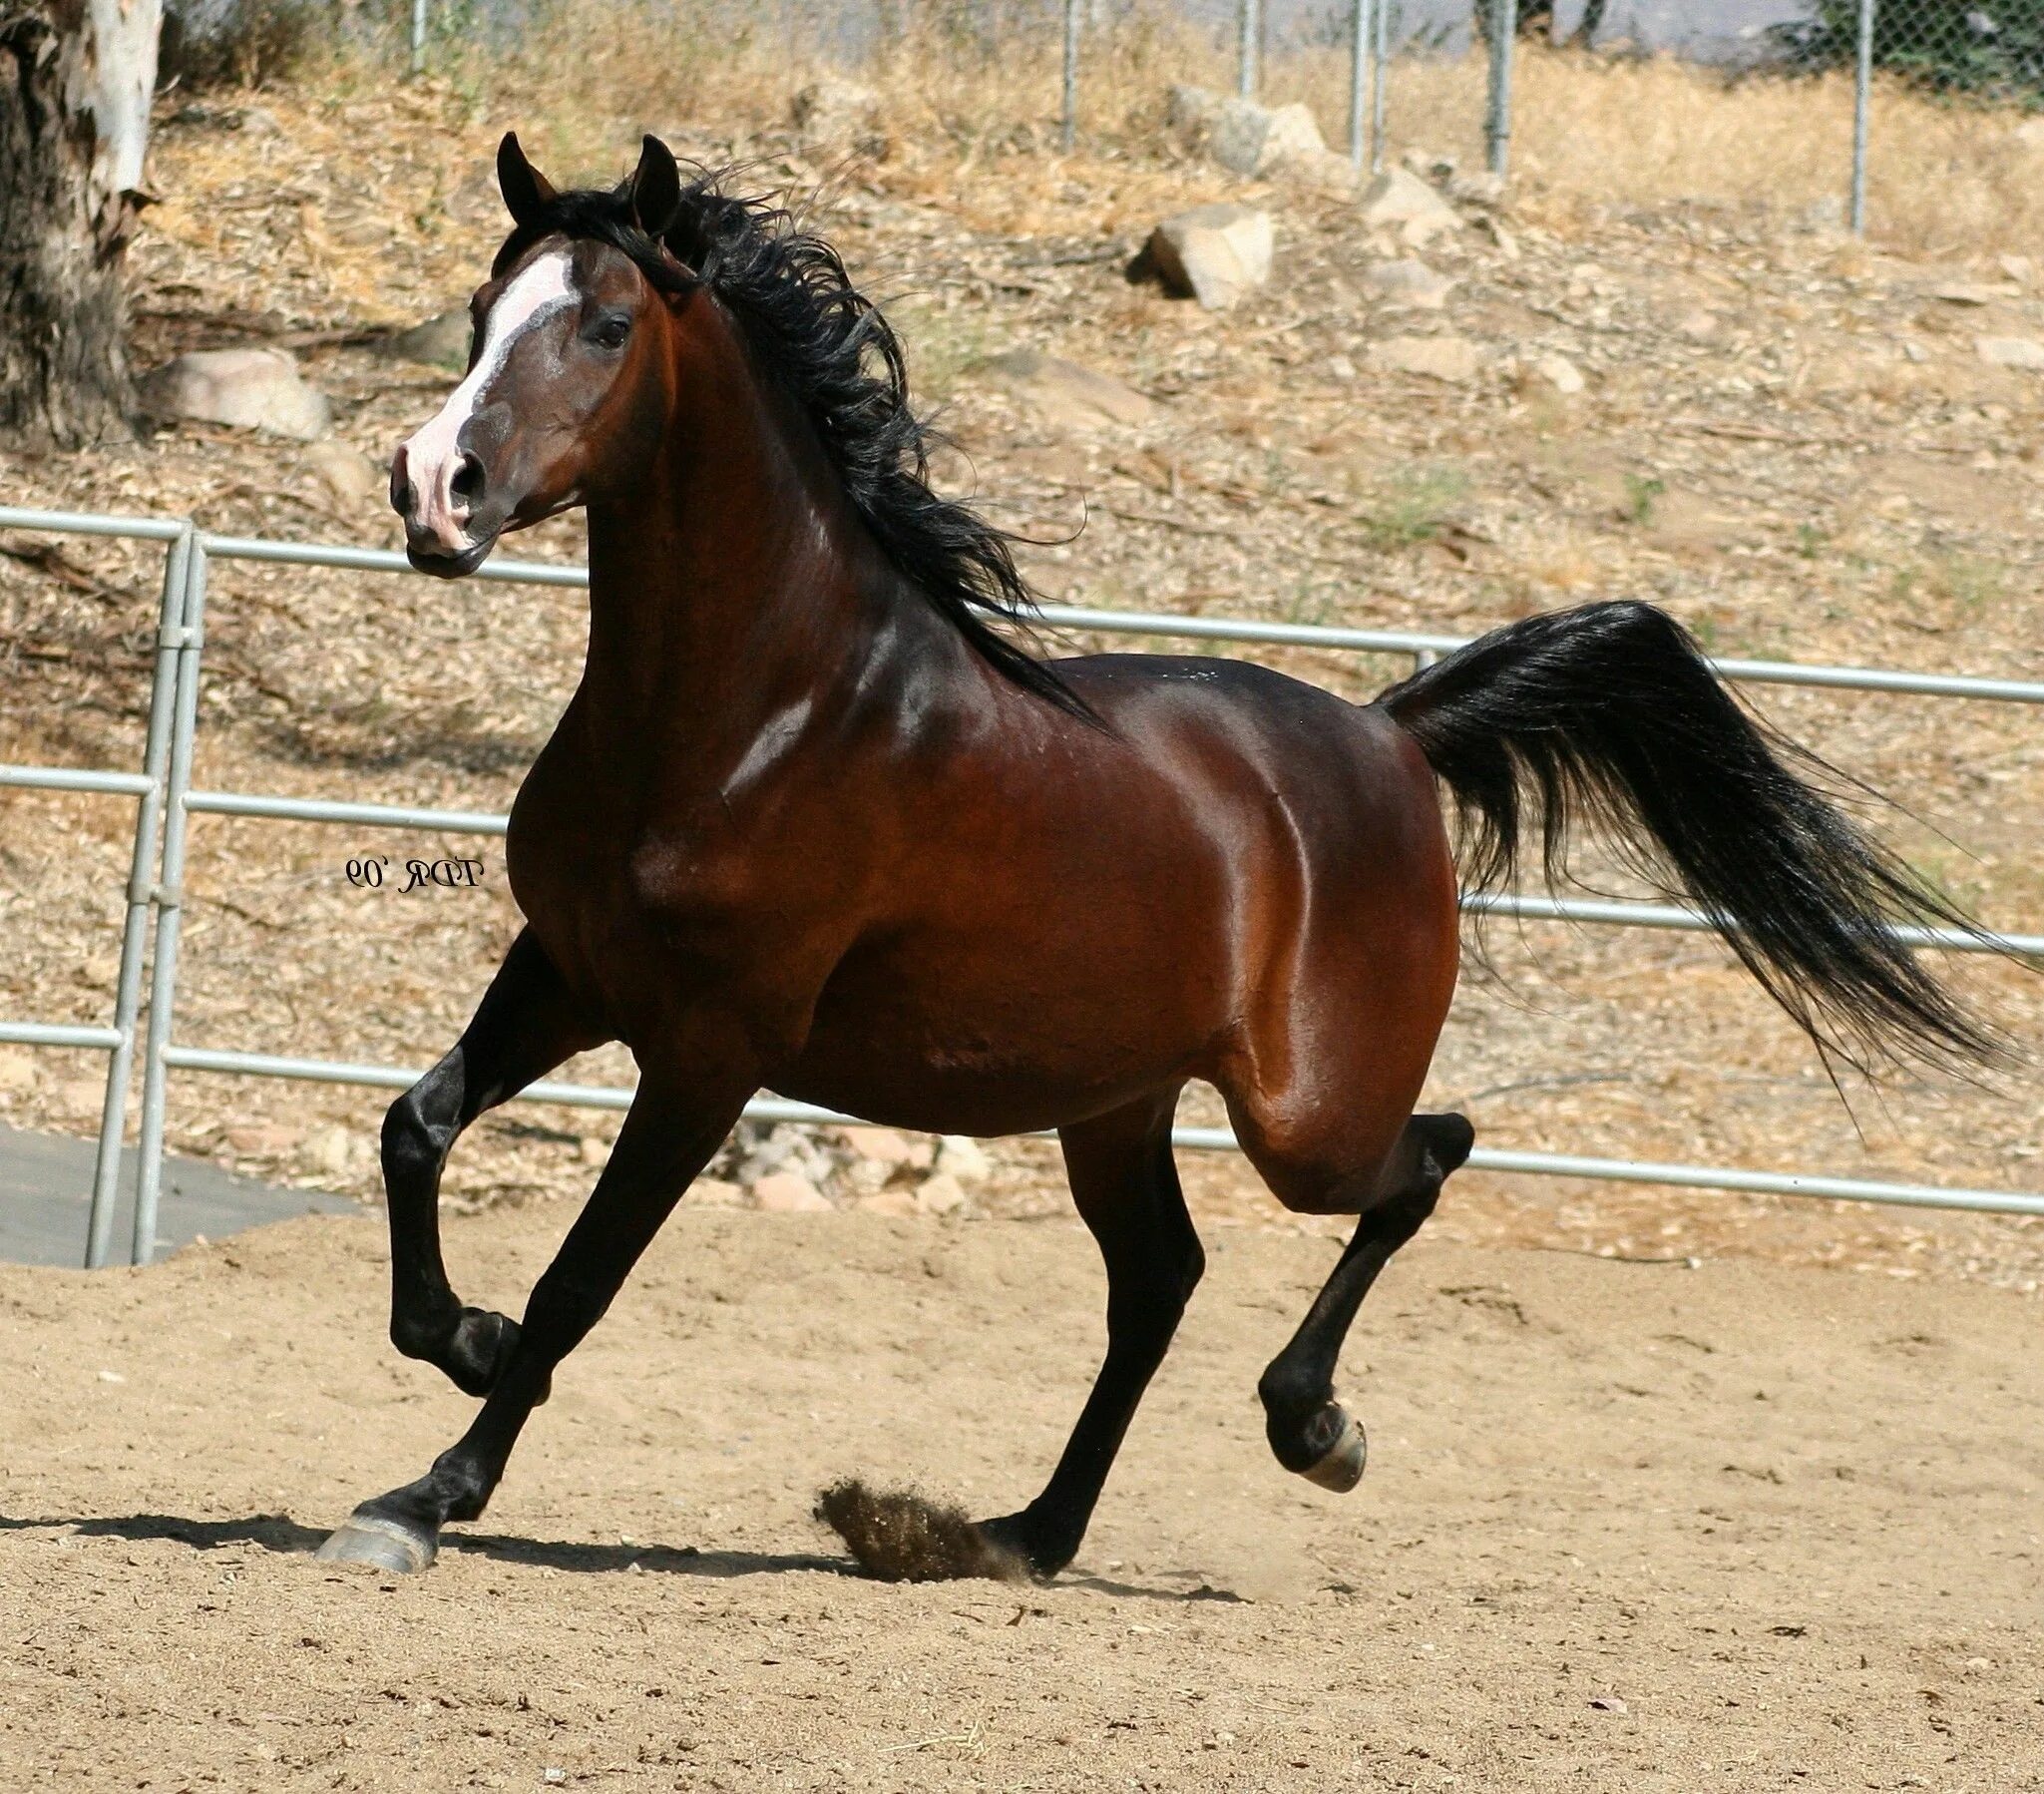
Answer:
(167, 800)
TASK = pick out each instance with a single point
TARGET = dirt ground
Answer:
(1626, 1525)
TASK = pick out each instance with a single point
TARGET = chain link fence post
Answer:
(1070, 130)
(1361, 43)
(1505, 24)
(1249, 70)
(1862, 89)
(1380, 59)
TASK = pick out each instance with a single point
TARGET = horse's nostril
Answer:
(467, 484)
(400, 484)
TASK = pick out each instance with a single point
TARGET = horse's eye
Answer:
(610, 333)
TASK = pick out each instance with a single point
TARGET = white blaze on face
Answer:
(433, 456)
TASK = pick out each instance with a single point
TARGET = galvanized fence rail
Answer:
(167, 800)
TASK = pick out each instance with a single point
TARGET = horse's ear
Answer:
(527, 193)
(656, 188)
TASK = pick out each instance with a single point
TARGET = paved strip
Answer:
(46, 1189)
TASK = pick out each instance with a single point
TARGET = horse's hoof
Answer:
(1340, 1467)
(381, 1544)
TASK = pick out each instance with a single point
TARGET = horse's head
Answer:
(567, 390)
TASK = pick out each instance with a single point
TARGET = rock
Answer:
(258, 1140)
(1698, 325)
(1452, 358)
(836, 110)
(593, 1150)
(2030, 133)
(17, 1070)
(1963, 292)
(1398, 200)
(1341, 367)
(1482, 188)
(1063, 393)
(961, 1156)
(251, 389)
(326, 1152)
(2010, 351)
(1216, 253)
(1558, 372)
(351, 479)
(2022, 270)
(940, 1195)
(1822, 216)
(1436, 165)
(441, 341)
(1507, 244)
(790, 1192)
(716, 1193)
(882, 1145)
(889, 1201)
(1245, 137)
(1249, 139)
(1409, 283)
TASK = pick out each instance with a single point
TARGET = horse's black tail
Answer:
(1610, 714)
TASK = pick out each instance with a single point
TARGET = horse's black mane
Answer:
(840, 359)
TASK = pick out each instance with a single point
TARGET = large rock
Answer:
(1063, 393)
(441, 341)
(351, 479)
(1558, 374)
(1248, 139)
(1216, 253)
(1398, 199)
(790, 1192)
(2010, 351)
(1409, 282)
(252, 389)
(1451, 358)
(835, 111)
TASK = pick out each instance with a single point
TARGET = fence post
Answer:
(1251, 48)
(1071, 74)
(1380, 59)
(149, 1170)
(149, 811)
(1504, 22)
(1862, 87)
(418, 37)
(1361, 40)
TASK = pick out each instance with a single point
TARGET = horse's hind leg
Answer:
(1127, 1188)
(526, 1025)
(1309, 1432)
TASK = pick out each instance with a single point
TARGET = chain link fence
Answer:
(1514, 83)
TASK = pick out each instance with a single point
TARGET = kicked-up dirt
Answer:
(1627, 1525)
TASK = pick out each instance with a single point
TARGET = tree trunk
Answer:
(75, 82)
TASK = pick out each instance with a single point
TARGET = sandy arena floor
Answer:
(1627, 1525)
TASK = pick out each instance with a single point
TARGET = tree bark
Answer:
(76, 78)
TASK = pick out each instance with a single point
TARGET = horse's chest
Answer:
(622, 901)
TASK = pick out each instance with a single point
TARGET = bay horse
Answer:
(811, 823)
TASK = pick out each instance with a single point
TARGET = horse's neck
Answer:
(738, 582)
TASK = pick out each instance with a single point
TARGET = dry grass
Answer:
(1945, 179)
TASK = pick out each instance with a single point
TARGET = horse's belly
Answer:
(1002, 1055)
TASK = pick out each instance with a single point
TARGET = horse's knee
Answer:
(413, 1146)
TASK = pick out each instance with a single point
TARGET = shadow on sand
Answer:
(280, 1533)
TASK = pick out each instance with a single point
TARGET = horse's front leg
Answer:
(526, 1025)
(667, 1137)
